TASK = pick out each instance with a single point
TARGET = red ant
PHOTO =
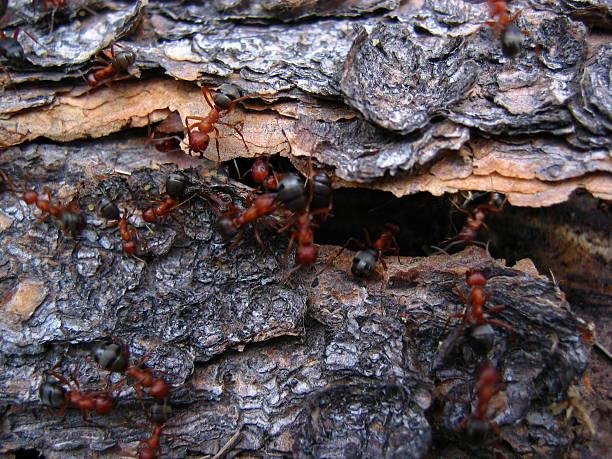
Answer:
(68, 217)
(490, 383)
(366, 259)
(262, 174)
(505, 25)
(129, 235)
(319, 202)
(475, 220)
(114, 356)
(221, 104)
(262, 205)
(475, 314)
(12, 51)
(112, 64)
(176, 185)
(149, 448)
(55, 396)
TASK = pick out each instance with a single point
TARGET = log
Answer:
(387, 96)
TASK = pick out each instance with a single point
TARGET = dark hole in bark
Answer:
(28, 454)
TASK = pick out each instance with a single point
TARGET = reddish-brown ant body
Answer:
(176, 185)
(67, 216)
(475, 317)
(113, 65)
(149, 448)
(476, 300)
(262, 205)
(505, 26)
(477, 424)
(114, 356)
(221, 104)
(366, 259)
(475, 220)
(55, 396)
(129, 235)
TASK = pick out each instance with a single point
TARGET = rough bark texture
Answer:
(396, 96)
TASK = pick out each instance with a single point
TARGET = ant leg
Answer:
(59, 377)
(330, 262)
(217, 143)
(290, 273)
(461, 295)
(494, 309)
(208, 97)
(367, 237)
(516, 15)
(239, 133)
(289, 247)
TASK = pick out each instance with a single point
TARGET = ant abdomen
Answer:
(52, 394)
(291, 192)
(111, 356)
(363, 263)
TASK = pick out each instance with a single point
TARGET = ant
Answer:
(477, 425)
(366, 259)
(55, 396)
(112, 64)
(475, 220)
(221, 104)
(69, 217)
(114, 356)
(263, 205)
(176, 185)
(290, 192)
(129, 235)
(474, 317)
(505, 25)
(11, 49)
(263, 175)
(318, 203)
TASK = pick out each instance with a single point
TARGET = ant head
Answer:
(475, 278)
(111, 356)
(104, 403)
(260, 170)
(52, 393)
(176, 184)
(306, 254)
(512, 40)
(363, 263)
(291, 192)
(108, 209)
